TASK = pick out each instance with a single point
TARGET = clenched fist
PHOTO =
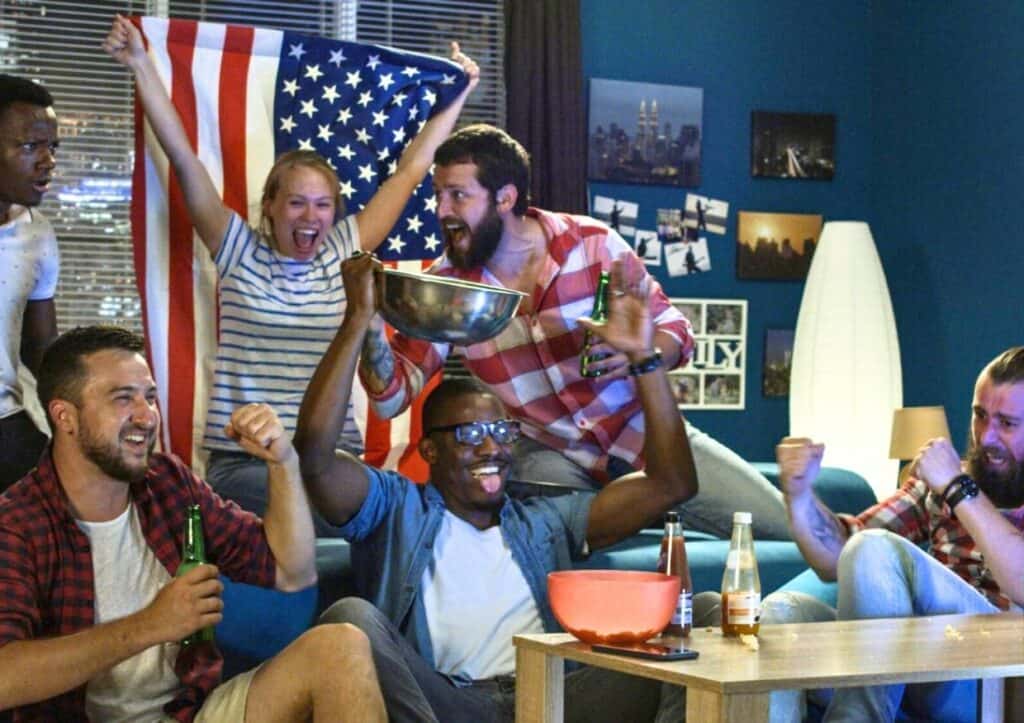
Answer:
(799, 463)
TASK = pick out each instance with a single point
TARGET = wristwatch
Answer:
(646, 365)
(967, 488)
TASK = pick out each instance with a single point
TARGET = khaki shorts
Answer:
(226, 703)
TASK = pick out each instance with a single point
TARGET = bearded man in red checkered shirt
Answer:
(969, 516)
(578, 432)
(91, 613)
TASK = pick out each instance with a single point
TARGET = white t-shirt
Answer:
(127, 576)
(29, 265)
(476, 598)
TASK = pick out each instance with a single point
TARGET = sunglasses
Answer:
(502, 431)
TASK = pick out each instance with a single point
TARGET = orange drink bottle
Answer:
(741, 584)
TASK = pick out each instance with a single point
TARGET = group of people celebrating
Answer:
(92, 616)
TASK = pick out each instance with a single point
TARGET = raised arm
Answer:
(336, 482)
(1000, 542)
(669, 476)
(384, 209)
(288, 520)
(39, 669)
(208, 213)
(818, 532)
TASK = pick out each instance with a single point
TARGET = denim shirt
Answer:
(392, 538)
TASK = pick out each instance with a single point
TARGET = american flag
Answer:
(245, 95)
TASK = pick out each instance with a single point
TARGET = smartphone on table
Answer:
(649, 651)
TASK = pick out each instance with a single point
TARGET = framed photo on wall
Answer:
(775, 245)
(644, 133)
(778, 361)
(715, 377)
(793, 145)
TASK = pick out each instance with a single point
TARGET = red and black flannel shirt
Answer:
(46, 574)
(916, 513)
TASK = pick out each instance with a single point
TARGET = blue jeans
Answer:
(415, 692)
(727, 484)
(883, 575)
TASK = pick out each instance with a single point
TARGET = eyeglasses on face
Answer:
(503, 431)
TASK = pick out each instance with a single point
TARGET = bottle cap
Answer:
(671, 516)
(744, 518)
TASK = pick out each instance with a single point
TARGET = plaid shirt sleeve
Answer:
(235, 540)
(903, 513)
(20, 611)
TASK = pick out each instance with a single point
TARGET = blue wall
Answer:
(746, 54)
(948, 150)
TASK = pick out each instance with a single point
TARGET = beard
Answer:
(109, 458)
(483, 242)
(1004, 487)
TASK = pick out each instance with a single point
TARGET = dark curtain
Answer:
(544, 84)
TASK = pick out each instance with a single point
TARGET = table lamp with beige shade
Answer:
(911, 428)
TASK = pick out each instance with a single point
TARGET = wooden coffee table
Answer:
(731, 682)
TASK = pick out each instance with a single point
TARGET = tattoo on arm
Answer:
(377, 362)
(827, 530)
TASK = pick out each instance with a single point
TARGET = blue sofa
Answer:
(258, 623)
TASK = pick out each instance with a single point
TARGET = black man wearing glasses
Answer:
(452, 569)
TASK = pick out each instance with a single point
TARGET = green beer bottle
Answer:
(193, 553)
(600, 313)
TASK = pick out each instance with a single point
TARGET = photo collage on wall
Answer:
(646, 133)
(714, 377)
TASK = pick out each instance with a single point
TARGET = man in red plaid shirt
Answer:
(578, 431)
(90, 613)
(969, 513)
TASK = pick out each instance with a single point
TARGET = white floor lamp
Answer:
(846, 378)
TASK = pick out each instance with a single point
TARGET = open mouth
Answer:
(305, 239)
(488, 475)
(138, 442)
(42, 185)
(454, 230)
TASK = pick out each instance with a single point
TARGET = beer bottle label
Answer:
(744, 608)
(684, 609)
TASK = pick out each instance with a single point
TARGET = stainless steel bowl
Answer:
(443, 309)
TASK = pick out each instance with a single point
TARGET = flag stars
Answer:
(365, 98)
(386, 81)
(346, 151)
(308, 108)
(324, 133)
(313, 72)
(337, 57)
(410, 71)
(362, 136)
(330, 93)
(346, 189)
(431, 242)
(344, 116)
(366, 173)
(353, 78)
(392, 167)
(373, 62)
(379, 118)
(291, 87)
(430, 204)
(414, 224)
(447, 79)
(399, 99)
(399, 135)
(383, 154)
(396, 244)
(430, 96)
(296, 51)
(306, 144)
(288, 124)
(413, 113)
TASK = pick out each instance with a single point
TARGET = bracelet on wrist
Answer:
(952, 487)
(967, 489)
(649, 364)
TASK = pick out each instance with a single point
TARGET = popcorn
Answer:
(750, 641)
(953, 634)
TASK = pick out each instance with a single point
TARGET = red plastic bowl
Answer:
(613, 606)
